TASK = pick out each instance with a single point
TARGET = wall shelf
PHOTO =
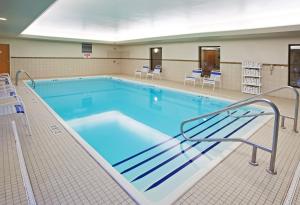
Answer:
(251, 77)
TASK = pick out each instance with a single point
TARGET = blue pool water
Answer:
(135, 128)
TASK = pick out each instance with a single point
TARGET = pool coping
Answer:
(121, 180)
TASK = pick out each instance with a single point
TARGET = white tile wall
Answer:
(275, 77)
(172, 70)
(231, 74)
(54, 67)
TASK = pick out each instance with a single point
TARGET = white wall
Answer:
(266, 50)
(233, 52)
(43, 58)
(44, 48)
(55, 59)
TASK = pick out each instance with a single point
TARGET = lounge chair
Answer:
(194, 77)
(14, 106)
(144, 71)
(6, 87)
(5, 74)
(7, 92)
(155, 72)
(5, 80)
(215, 76)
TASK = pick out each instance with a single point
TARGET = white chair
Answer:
(144, 71)
(8, 92)
(5, 74)
(215, 76)
(14, 107)
(5, 80)
(155, 72)
(194, 77)
(6, 87)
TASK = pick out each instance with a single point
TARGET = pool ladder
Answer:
(22, 71)
(249, 101)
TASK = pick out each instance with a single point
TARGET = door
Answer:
(155, 57)
(4, 58)
(294, 65)
(209, 59)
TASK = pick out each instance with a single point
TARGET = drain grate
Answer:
(55, 129)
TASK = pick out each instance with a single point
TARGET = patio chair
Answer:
(15, 107)
(215, 76)
(144, 71)
(194, 77)
(155, 72)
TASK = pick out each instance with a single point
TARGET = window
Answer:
(209, 58)
(155, 57)
(294, 65)
(87, 48)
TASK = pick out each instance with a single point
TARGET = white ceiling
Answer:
(125, 20)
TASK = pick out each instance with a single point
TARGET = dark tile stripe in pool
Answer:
(183, 151)
(166, 177)
(173, 146)
(161, 143)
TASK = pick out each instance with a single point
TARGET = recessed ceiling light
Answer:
(3, 19)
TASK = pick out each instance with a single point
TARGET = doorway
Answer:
(294, 65)
(155, 57)
(4, 58)
(209, 58)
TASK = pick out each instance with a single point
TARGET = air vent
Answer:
(87, 48)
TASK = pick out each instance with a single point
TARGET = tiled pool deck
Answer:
(62, 172)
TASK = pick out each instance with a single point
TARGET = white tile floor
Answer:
(61, 172)
(11, 184)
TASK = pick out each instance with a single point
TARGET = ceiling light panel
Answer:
(121, 20)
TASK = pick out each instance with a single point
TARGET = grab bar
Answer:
(273, 150)
(22, 71)
(296, 109)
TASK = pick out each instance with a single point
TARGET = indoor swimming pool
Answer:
(133, 131)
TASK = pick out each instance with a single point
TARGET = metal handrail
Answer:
(23, 71)
(273, 150)
(295, 118)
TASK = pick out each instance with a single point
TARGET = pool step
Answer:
(183, 154)
(192, 160)
(153, 166)
(162, 143)
(170, 146)
(179, 145)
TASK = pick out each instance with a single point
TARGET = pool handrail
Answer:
(23, 71)
(296, 109)
(273, 150)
